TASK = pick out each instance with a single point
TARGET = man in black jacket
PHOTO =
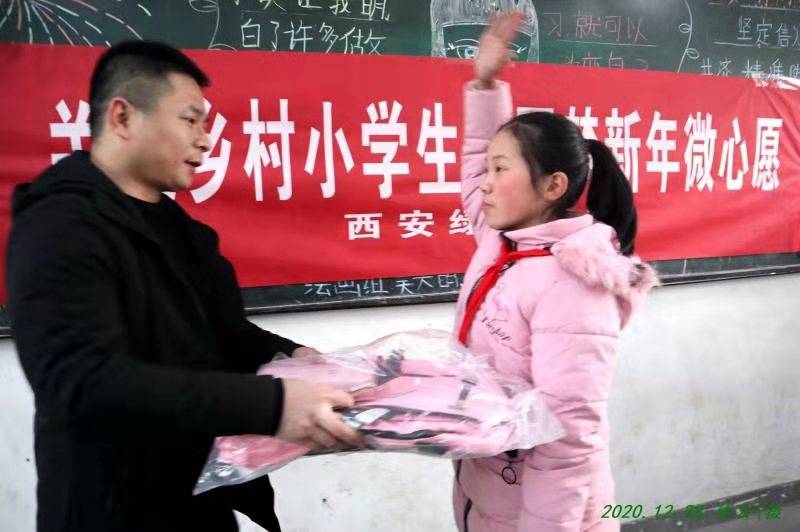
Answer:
(129, 324)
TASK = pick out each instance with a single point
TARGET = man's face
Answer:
(168, 142)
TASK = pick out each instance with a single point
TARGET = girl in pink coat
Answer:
(546, 295)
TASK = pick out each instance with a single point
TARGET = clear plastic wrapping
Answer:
(414, 392)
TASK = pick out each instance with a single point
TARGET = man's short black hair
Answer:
(136, 71)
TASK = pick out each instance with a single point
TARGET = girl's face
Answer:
(510, 200)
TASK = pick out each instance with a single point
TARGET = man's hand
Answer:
(304, 352)
(309, 419)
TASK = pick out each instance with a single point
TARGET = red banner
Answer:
(333, 167)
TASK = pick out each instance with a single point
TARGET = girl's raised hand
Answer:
(493, 52)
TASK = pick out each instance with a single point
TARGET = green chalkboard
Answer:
(714, 37)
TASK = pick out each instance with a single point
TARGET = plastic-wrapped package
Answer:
(414, 392)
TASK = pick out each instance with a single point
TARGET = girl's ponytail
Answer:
(610, 198)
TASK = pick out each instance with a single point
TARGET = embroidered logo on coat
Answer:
(495, 312)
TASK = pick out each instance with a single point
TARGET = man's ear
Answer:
(120, 117)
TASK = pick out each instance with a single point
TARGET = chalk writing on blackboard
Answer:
(84, 22)
(456, 26)
(299, 25)
(758, 39)
(635, 34)
(406, 286)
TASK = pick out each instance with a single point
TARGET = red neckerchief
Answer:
(485, 283)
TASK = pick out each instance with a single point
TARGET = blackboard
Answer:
(441, 288)
(714, 37)
(752, 38)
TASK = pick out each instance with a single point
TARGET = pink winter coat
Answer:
(555, 321)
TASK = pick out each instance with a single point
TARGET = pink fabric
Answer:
(554, 321)
(400, 404)
(252, 451)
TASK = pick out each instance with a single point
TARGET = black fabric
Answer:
(173, 228)
(138, 353)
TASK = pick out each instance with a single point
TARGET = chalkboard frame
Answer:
(270, 300)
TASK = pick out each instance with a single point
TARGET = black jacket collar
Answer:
(76, 174)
